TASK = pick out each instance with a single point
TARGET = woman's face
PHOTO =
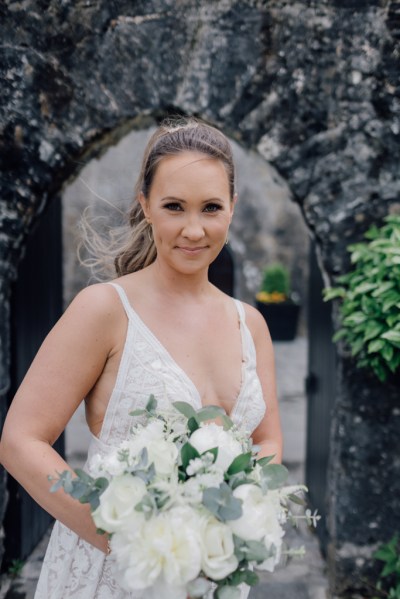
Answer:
(190, 209)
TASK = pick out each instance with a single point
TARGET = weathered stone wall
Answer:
(312, 85)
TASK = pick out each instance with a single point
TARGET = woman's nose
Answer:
(193, 229)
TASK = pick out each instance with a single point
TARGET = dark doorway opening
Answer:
(36, 304)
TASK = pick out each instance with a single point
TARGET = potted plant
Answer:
(276, 303)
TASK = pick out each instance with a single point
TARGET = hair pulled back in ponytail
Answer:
(132, 248)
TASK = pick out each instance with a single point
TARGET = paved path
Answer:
(302, 578)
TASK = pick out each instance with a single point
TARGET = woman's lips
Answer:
(191, 251)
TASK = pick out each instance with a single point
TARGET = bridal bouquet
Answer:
(190, 510)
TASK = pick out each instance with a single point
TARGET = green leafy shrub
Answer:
(389, 579)
(370, 308)
(15, 568)
(275, 285)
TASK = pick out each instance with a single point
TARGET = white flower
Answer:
(95, 466)
(202, 463)
(162, 589)
(118, 501)
(193, 488)
(161, 451)
(255, 474)
(218, 559)
(164, 455)
(165, 548)
(260, 514)
(112, 465)
(212, 435)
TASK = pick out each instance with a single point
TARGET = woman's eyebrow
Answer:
(169, 198)
(175, 199)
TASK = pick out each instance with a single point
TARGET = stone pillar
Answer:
(4, 383)
(364, 475)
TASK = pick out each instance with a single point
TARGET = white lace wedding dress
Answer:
(74, 569)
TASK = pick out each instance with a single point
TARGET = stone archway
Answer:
(313, 89)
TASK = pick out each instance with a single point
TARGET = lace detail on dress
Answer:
(74, 569)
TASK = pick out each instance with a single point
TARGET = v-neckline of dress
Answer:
(195, 392)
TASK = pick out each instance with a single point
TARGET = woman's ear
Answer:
(144, 204)
(233, 204)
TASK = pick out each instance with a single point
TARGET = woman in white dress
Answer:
(160, 327)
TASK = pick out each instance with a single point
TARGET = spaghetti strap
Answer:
(240, 309)
(123, 297)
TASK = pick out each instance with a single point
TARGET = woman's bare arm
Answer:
(67, 366)
(268, 434)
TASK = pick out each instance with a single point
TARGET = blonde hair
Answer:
(131, 247)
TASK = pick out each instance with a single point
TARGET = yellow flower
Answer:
(274, 297)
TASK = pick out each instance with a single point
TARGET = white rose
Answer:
(273, 517)
(154, 429)
(218, 559)
(212, 435)
(95, 466)
(165, 548)
(160, 450)
(164, 455)
(259, 516)
(118, 502)
(113, 465)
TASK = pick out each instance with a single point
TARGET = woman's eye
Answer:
(212, 208)
(173, 206)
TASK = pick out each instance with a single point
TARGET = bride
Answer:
(160, 327)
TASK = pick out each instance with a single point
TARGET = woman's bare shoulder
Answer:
(256, 323)
(99, 296)
(95, 302)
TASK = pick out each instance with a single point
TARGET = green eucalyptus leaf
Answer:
(138, 412)
(56, 486)
(80, 489)
(84, 476)
(243, 576)
(227, 423)
(241, 463)
(210, 413)
(192, 424)
(101, 483)
(221, 503)
(274, 475)
(227, 592)
(296, 499)
(198, 587)
(265, 461)
(238, 479)
(186, 409)
(151, 405)
(256, 551)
